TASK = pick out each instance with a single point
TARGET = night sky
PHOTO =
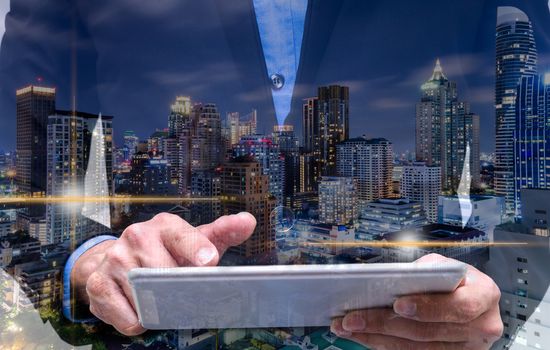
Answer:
(133, 57)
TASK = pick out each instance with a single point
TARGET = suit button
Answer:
(277, 81)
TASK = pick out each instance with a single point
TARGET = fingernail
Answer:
(404, 307)
(205, 255)
(336, 328)
(353, 322)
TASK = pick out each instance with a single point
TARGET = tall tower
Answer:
(268, 154)
(532, 136)
(245, 188)
(333, 124)
(34, 105)
(370, 163)
(446, 130)
(80, 163)
(516, 56)
(432, 113)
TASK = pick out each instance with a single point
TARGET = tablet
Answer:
(278, 296)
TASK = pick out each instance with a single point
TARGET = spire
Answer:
(438, 72)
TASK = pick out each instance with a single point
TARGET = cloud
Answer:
(390, 103)
(4, 9)
(198, 80)
(479, 94)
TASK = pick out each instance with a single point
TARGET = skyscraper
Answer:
(284, 136)
(333, 124)
(370, 163)
(325, 123)
(516, 56)
(34, 105)
(180, 123)
(422, 183)
(79, 163)
(446, 130)
(239, 127)
(337, 200)
(532, 136)
(130, 144)
(245, 188)
(180, 111)
(262, 149)
(202, 146)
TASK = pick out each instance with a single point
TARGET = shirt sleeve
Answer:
(69, 304)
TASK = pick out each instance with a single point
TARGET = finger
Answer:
(436, 258)
(387, 322)
(386, 342)
(229, 230)
(337, 328)
(476, 296)
(186, 244)
(109, 304)
(148, 249)
(115, 266)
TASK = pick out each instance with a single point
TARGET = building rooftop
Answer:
(435, 232)
(82, 114)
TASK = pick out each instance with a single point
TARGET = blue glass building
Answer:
(532, 136)
(516, 56)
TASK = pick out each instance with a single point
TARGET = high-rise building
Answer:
(422, 183)
(180, 112)
(333, 124)
(150, 175)
(79, 163)
(155, 142)
(516, 56)
(202, 146)
(325, 123)
(383, 216)
(205, 184)
(130, 144)
(337, 200)
(310, 125)
(267, 153)
(446, 131)
(370, 163)
(525, 301)
(241, 126)
(532, 136)
(245, 188)
(284, 136)
(438, 93)
(180, 124)
(34, 105)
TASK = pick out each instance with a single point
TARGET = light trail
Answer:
(413, 244)
(115, 199)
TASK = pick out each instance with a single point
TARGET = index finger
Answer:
(229, 230)
(477, 294)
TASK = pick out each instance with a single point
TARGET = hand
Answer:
(100, 275)
(468, 318)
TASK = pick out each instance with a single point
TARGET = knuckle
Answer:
(133, 235)
(116, 255)
(495, 292)
(471, 309)
(166, 218)
(96, 285)
(493, 330)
